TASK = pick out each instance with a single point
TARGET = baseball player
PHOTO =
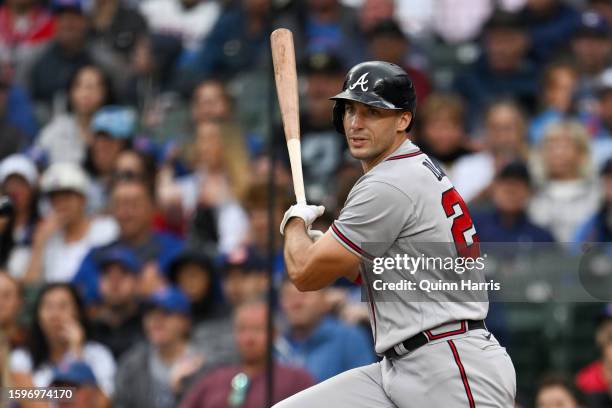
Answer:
(435, 354)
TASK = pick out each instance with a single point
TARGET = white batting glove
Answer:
(314, 234)
(309, 213)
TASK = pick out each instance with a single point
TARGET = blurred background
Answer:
(142, 162)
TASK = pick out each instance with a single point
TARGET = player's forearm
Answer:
(297, 245)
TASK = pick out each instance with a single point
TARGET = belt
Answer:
(426, 336)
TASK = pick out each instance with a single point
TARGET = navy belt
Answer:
(426, 336)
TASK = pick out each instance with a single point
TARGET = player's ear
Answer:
(404, 121)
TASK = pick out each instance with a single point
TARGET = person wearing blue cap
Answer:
(153, 374)
(79, 376)
(112, 128)
(117, 319)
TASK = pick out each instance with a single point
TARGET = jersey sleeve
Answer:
(374, 212)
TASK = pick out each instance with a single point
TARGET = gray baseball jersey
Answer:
(404, 204)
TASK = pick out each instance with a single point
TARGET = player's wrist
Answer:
(295, 223)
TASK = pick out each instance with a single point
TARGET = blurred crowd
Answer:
(137, 139)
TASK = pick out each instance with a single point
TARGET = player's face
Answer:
(373, 133)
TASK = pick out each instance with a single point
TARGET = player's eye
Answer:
(373, 112)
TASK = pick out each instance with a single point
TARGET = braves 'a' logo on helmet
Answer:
(362, 82)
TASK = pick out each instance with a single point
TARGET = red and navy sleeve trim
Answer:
(350, 243)
(405, 156)
(464, 379)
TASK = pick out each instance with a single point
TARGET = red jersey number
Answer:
(462, 224)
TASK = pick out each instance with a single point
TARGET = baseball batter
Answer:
(435, 354)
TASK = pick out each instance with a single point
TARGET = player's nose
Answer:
(355, 120)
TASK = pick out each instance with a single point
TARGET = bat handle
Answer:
(295, 159)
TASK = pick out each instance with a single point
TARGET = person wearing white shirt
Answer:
(569, 193)
(67, 233)
(59, 335)
(505, 142)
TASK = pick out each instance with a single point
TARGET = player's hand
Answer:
(309, 213)
(314, 234)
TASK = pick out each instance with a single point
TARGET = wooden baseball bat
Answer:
(285, 76)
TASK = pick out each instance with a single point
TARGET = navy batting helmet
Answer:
(379, 84)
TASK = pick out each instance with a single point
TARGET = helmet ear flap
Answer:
(338, 116)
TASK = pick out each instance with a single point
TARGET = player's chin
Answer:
(360, 153)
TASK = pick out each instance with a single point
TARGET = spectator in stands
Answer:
(374, 12)
(209, 197)
(318, 342)
(604, 340)
(117, 319)
(331, 27)
(441, 129)
(503, 70)
(558, 87)
(567, 195)
(602, 144)
(135, 163)
(132, 204)
(14, 138)
(256, 205)
(591, 48)
(235, 44)
(550, 25)
(153, 374)
(508, 221)
(60, 334)
(602, 7)
(322, 149)
(117, 26)
(210, 102)
(112, 128)
(387, 42)
(19, 181)
(25, 28)
(80, 377)
(67, 136)
(556, 392)
(244, 384)
(141, 81)
(67, 53)
(195, 275)
(67, 233)
(591, 378)
(244, 276)
(11, 302)
(191, 21)
(505, 142)
(598, 228)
